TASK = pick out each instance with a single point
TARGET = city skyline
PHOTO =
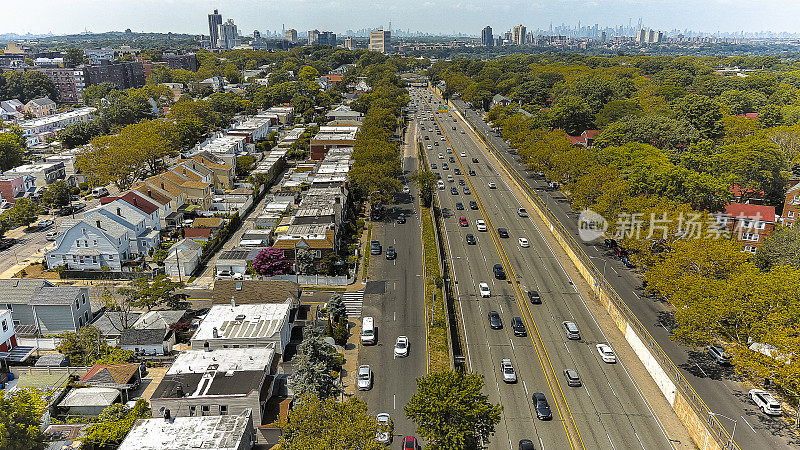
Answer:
(715, 16)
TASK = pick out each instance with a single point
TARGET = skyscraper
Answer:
(313, 35)
(326, 38)
(380, 41)
(519, 34)
(348, 43)
(214, 21)
(228, 35)
(487, 40)
(291, 35)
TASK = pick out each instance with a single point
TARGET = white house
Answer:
(183, 258)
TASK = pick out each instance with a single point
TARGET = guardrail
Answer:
(709, 421)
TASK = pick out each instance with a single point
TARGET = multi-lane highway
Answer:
(607, 411)
(718, 386)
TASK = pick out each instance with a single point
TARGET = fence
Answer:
(627, 321)
(65, 371)
(316, 280)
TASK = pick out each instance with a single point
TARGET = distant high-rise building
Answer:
(519, 32)
(313, 35)
(256, 34)
(228, 35)
(291, 35)
(603, 36)
(651, 35)
(380, 41)
(326, 38)
(641, 36)
(348, 43)
(487, 40)
(214, 21)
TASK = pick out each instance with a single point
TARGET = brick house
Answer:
(748, 224)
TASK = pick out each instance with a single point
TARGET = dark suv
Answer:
(542, 407)
(534, 297)
(518, 326)
(499, 273)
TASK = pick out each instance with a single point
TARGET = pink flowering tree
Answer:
(271, 261)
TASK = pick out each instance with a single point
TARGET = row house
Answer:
(37, 130)
(13, 186)
(196, 189)
(222, 175)
(224, 148)
(42, 174)
(320, 239)
(12, 110)
(254, 129)
(39, 306)
(332, 137)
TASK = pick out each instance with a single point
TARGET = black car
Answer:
(534, 297)
(526, 444)
(433, 165)
(460, 206)
(473, 204)
(499, 273)
(475, 160)
(494, 320)
(452, 160)
(457, 171)
(518, 326)
(438, 175)
(461, 182)
(610, 243)
(453, 190)
(65, 211)
(401, 218)
(445, 166)
(542, 407)
(471, 239)
(390, 253)
(502, 232)
(471, 173)
(375, 248)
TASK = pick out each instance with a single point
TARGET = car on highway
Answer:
(475, 160)
(463, 154)
(429, 145)
(401, 347)
(473, 204)
(445, 166)
(462, 131)
(449, 150)
(571, 330)
(385, 428)
(51, 236)
(441, 155)
(524, 242)
(534, 297)
(65, 211)
(509, 374)
(461, 182)
(502, 232)
(433, 166)
(451, 159)
(495, 322)
(518, 326)
(410, 443)
(46, 223)
(480, 224)
(457, 171)
(453, 190)
(401, 218)
(471, 173)
(459, 206)
(492, 185)
(471, 239)
(542, 407)
(525, 444)
(364, 378)
(765, 402)
(391, 253)
(522, 213)
(454, 128)
(462, 221)
(606, 353)
(484, 290)
(375, 248)
(466, 191)
(436, 143)
(573, 379)
(499, 273)
(719, 355)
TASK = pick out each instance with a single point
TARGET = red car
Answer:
(410, 442)
(463, 221)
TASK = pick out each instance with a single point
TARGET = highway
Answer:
(607, 411)
(719, 387)
(399, 311)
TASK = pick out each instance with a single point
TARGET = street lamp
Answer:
(433, 295)
(730, 442)
(605, 261)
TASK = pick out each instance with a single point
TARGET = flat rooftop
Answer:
(260, 320)
(225, 359)
(206, 432)
(55, 118)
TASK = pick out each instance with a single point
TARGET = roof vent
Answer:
(215, 332)
(229, 373)
(240, 317)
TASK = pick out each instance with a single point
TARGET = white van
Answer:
(450, 179)
(368, 332)
(440, 183)
(99, 192)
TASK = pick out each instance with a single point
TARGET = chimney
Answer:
(97, 222)
(166, 415)
(119, 212)
(215, 332)
(233, 301)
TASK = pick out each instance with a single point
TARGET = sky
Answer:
(432, 16)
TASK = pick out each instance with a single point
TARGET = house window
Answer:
(80, 321)
(86, 315)
(205, 409)
(223, 410)
(790, 214)
(318, 254)
(76, 303)
(110, 257)
(5, 325)
(750, 248)
(95, 242)
(192, 410)
(83, 297)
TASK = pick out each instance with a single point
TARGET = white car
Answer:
(509, 374)
(51, 236)
(463, 154)
(481, 225)
(492, 185)
(364, 378)
(406, 189)
(607, 353)
(524, 243)
(462, 131)
(441, 156)
(429, 147)
(484, 289)
(401, 347)
(384, 433)
(765, 402)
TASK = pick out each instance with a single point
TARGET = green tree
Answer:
(87, 347)
(20, 420)
(450, 410)
(305, 261)
(703, 113)
(308, 73)
(571, 114)
(22, 213)
(111, 430)
(244, 164)
(57, 194)
(27, 86)
(315, 361)
(96, 92)
(12, 147)
(80, 133)
(161, 291)
(336, 307)
(74, 57)
(616, 110)
(426, 181)
(316, 424)
(781, 248)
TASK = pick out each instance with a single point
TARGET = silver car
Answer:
(364, 378)
(509, 374)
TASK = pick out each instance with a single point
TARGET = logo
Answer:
(591, 225)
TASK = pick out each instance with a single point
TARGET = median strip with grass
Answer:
(437, 323)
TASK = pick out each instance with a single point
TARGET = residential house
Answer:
(182, 258)
(791, 206)
(321, 240)
(752, 196)
(748, 224)
(14, 185)
(38, 304)
(11, 110)
(285, 114)
(111, 323)
(245, 326)
(89, 401)
(159, 319)
(223, 147)
(218, 432)
(68, 158)
(122, 377)
(43, 174)
(235, 261)
(8, 333)
(332, 137)
(220, 382)
(253, 129)
(198, 234)
(184, 182)
(245, 292)
(147, 341)
(169, 204)
(343, 112)
(501, 100)
(222, 175)
(41, 107)
(214, 223)
(37, 130)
